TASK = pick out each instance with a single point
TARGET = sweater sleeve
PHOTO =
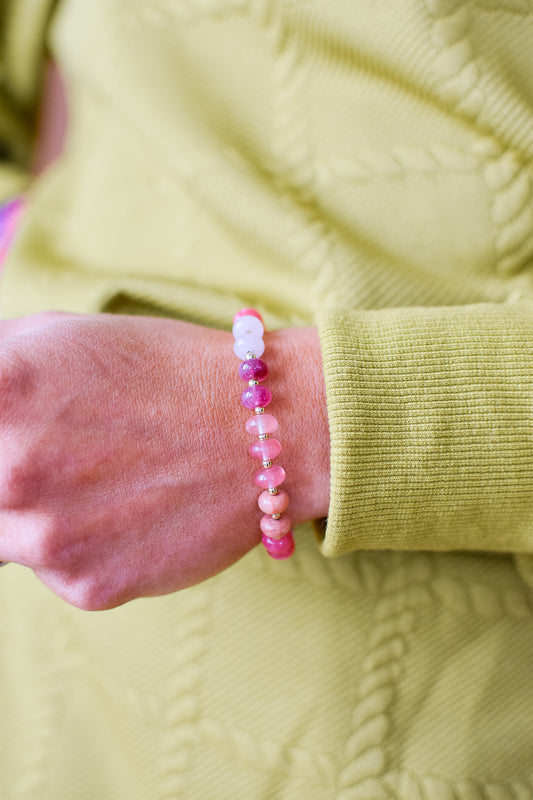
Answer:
(23, 25)
(431, 421)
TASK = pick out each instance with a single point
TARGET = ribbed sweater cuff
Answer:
(431, 421)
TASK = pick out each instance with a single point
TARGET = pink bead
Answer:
(262, 423)
(273, 503)
(279, 548)
(253, 370)
(247, 312)
(266, 450)
(275, 528)
(256, 396)
(269, 477)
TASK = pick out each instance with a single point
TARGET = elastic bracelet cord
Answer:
(249, 347)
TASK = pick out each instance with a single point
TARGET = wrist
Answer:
(299, 402)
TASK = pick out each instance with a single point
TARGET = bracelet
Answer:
(249, 347)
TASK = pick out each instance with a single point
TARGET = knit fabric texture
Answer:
(366, 168)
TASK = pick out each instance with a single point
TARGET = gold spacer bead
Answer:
(249, 355)
(251, 382)
(276, 516)
(267, 463)
(263, 436)
(273, 490)
(259, 410)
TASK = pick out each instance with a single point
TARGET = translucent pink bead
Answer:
(269, 477)
(247, 312)
(279, 548)
(248, 344)
(255, 396)
(248, 323)
(273, 503)
(266, 450)
(261, 424)
(253, 370)
(275, 528)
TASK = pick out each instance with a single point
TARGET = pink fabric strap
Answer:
(249, 347)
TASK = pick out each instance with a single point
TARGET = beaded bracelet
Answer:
(249, 347)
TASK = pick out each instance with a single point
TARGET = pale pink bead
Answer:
(273, 503)
(261, 423)
(248, 323)
(269, 477)
(279, 548)
(266, 450)
(248, 343)
(275, 528)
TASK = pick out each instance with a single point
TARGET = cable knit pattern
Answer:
(510, 180)
(455, 64)
(365, 755)
(369, 173)
(183, 709)
(292, 762)
(483, 600)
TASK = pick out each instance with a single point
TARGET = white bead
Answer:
(248, 324)
(248, 343)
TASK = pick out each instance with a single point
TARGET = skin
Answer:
(124, 469)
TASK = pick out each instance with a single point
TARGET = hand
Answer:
(124, 469)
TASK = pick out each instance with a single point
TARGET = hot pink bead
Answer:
(247, 312)
(253, 370)
(255, 396)
(262, 423)
(279, 548)
(269, 477)
(266, 450)
(273, 503)
(275, 528)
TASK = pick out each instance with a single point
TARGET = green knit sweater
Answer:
(367, 168)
